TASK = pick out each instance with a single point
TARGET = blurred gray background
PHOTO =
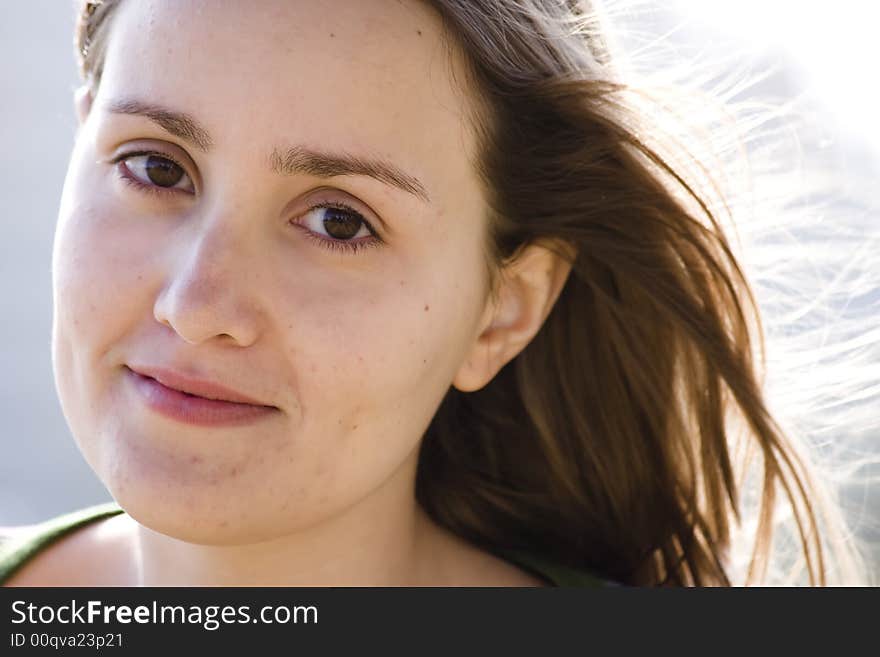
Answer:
(41, 471)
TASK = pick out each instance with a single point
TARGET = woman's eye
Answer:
(152, 171)
(335, 222)
(337, 226)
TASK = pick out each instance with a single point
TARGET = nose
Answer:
(210, 290)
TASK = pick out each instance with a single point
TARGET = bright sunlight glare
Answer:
(835, 47)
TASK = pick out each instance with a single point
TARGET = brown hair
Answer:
(605, 444)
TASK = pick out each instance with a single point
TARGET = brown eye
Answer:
(155, 170)
(337, 222)
(337, 227)
(162, 172)
(341, 224)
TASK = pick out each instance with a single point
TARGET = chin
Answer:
(212, 526)
(204, 516)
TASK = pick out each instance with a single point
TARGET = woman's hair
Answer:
(620, 438)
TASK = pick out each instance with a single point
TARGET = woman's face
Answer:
(190, 238)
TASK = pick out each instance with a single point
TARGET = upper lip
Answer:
(194, 386)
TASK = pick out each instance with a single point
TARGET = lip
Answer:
(195, 401)
(194, 386)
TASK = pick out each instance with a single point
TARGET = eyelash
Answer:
(333, 245)
(126, 176)
(341, 246)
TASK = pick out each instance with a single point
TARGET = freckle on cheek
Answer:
(426, 307)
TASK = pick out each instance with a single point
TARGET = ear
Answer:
(529, 286)
(82, 102)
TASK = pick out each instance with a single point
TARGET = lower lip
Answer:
(191, 409)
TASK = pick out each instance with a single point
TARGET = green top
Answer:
(16, 550)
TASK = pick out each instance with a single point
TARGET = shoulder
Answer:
(85, 548)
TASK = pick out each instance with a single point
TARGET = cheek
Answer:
(101, 254)
(94, 275)
(393, 348)
(96, 282)
(381, 334)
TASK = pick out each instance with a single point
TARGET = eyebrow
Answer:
(299, 159)
(176, 123)
(284, 161)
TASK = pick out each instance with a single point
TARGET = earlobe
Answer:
(82, 103)
(529, 287)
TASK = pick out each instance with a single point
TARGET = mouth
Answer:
(188, 407)
(195, 387)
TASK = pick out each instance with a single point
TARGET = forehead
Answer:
(354, 75)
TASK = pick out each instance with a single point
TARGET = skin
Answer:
(218, 279)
